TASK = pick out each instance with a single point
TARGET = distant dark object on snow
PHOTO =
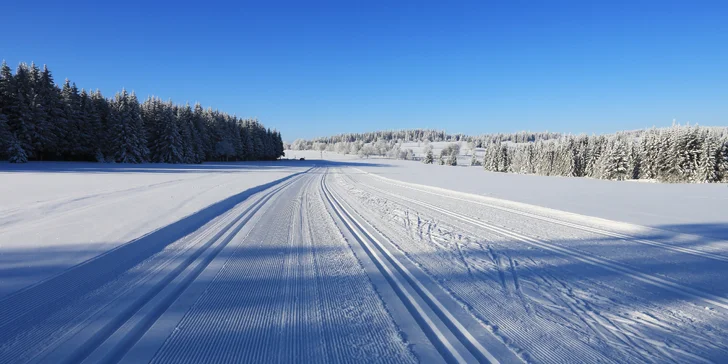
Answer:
(302, 159)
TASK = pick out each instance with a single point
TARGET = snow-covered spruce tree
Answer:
(102, 135)
(519, 160)
(247, 144)
(169, 144)
(666, 162)
(20, 118)
(490, 162)
(90, 124)
(4, 136)
(686, 147)
(635, 161)
(723, 160)
(137, 123)
(564, 155)
(429, 157)
(581, 155)
(616, 164)
(124, 120)
(16, 152)
(596, 150)
(4, 130)
(200, 134)
(649, 151)
(184, 117)
(56, 129)
(44, 136)
(78, 137)
(474, 161)
(452, 159)
(708, 168)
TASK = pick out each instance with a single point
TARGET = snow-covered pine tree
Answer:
(723, 159)
(139, 130)
(126, 146)
(6, 96)
(151, 110)
(257, 143)
(708, 170)
(92, 131)
(54, 112)
(248, 142)
(635, 160)
(616, 164)
(564, 154)
(429, 157)
(169, 144)
(20, 118)
(200, 134)
(474, 161)
(4, 134)
(78, 134)
(184, 117)
(43, 134)
(452, 159)
(596, 150)
(101, 107)
(649, 151)
(666, 161)
(581, 155)
(16, 153)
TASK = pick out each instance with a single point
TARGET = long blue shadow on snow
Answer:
(709, 230)
(96, 271)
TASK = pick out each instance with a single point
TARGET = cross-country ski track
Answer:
(333, 264)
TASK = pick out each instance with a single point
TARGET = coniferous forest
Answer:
(693, 154)
(42, 121)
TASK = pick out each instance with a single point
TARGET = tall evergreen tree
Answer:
(20, 120)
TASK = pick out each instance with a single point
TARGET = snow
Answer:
(55, 215)
(681, 207)
(351, 260)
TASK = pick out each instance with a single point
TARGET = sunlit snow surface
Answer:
(262, 262)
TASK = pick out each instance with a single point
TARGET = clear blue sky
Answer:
(311, 68)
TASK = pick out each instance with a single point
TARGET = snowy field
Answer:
(689, 208)
(356, 260)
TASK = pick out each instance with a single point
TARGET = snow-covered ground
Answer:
(355, 260)
(687, 208)
(56, 215)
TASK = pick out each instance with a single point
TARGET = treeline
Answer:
(40, 121)
(423, 135)
(678, 154)
(691, 154)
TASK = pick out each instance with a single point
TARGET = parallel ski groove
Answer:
(457, 328)
(288, 280)
(230, 230)
(695, 252)
(75, 284)
(583, 257)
